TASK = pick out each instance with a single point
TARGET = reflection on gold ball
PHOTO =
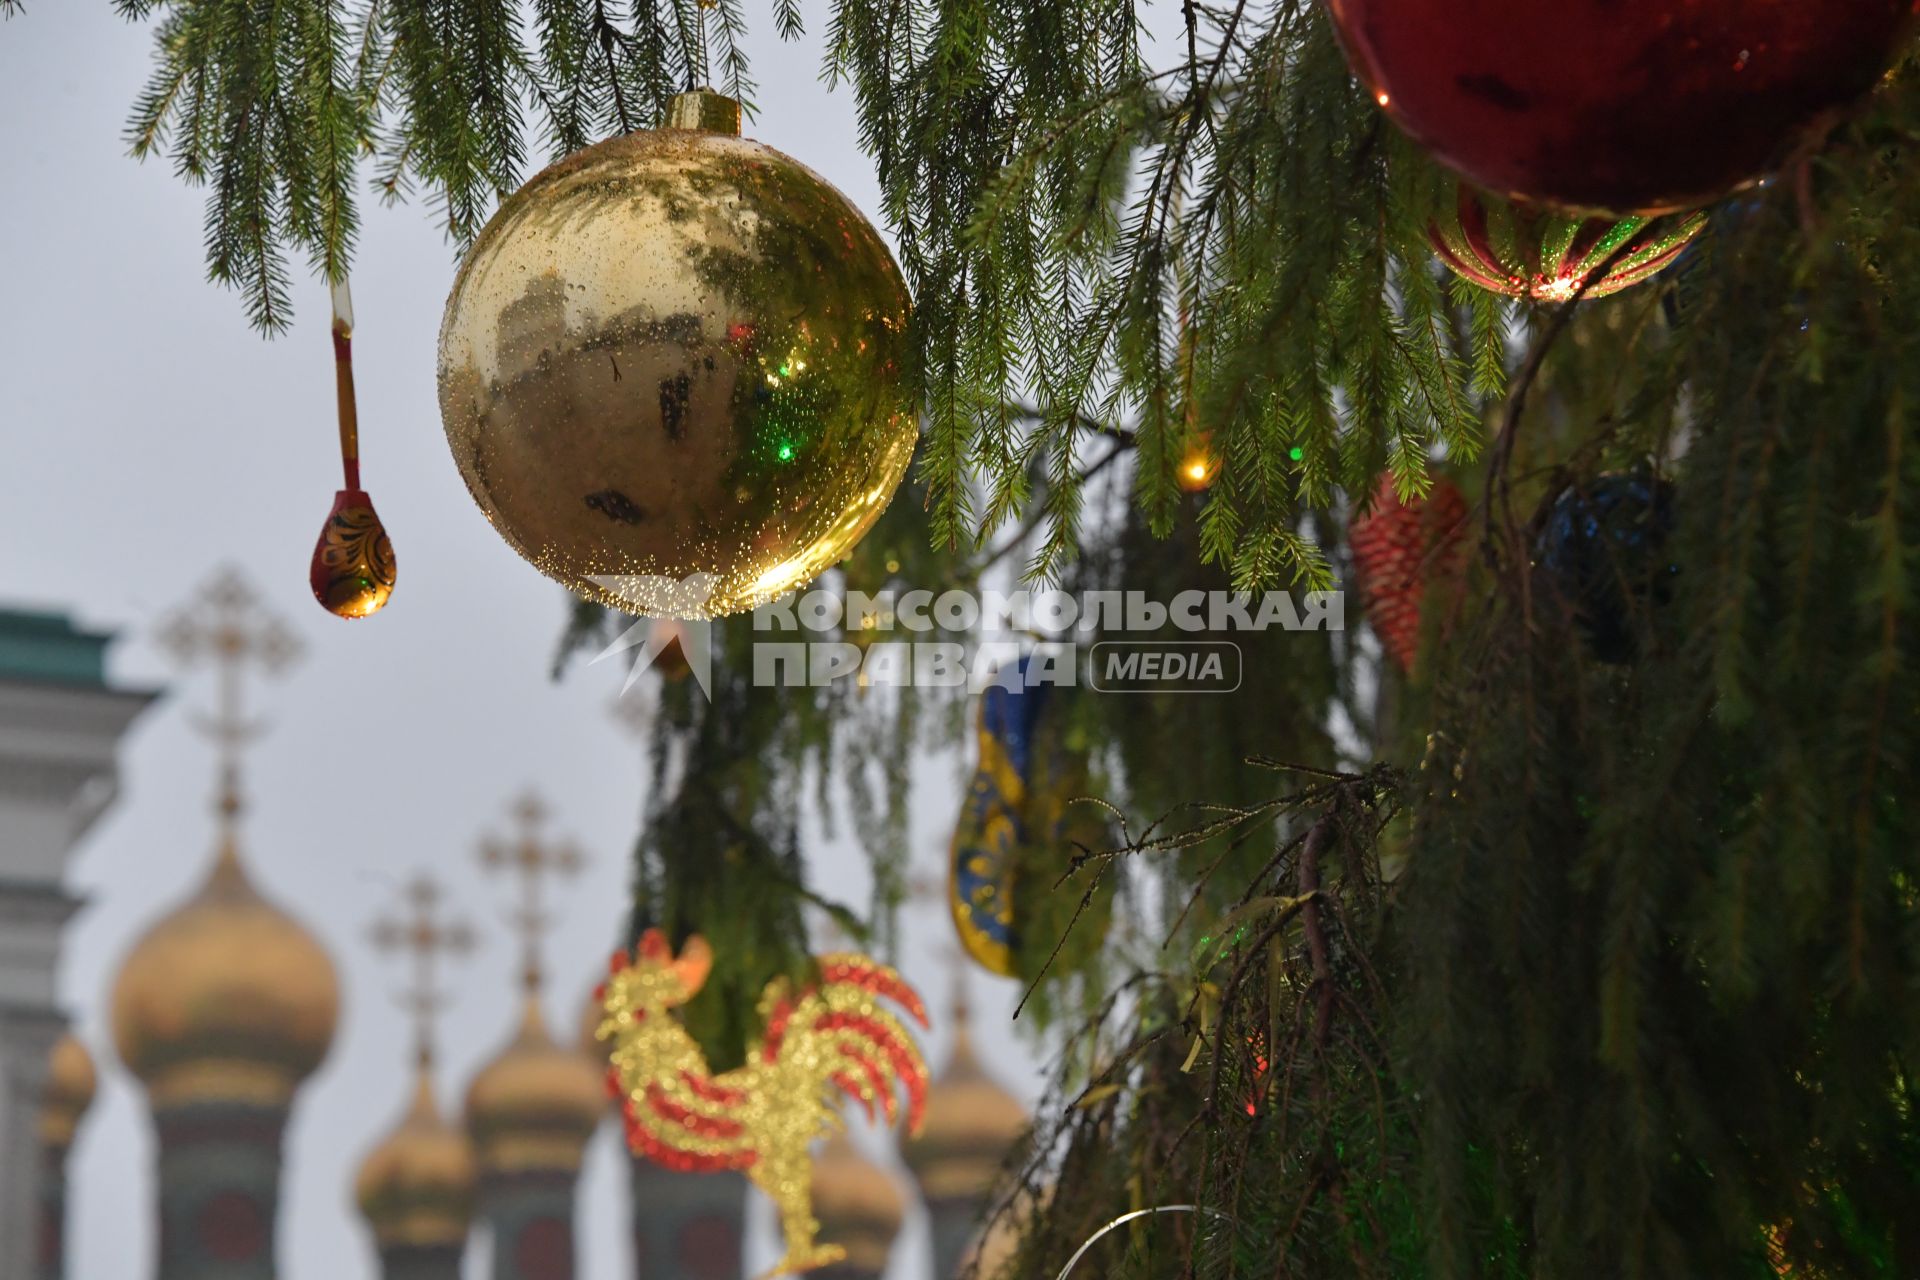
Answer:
(679, 353)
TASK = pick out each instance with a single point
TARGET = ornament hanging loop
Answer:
(702, 8)
(704, 110)
(343, 383)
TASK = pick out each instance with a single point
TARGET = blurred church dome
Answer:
(970, 1124)
(71, 1081)
(227, 997)
(996, 1247)
(536, 1104)
(598, 1052)
(592, 1014)
(858, 1203)
(417, 1187)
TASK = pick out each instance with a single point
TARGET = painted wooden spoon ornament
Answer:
(352, 573)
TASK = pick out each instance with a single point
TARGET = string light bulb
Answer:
(1199, 466)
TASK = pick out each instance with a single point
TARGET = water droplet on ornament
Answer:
(352, 573)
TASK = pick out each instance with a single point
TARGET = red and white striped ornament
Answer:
(1530, 253)
(1399, 548)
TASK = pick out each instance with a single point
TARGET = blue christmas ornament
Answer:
(992, 827)
(1603, 552)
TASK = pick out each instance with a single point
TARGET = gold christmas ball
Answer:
(674, 370)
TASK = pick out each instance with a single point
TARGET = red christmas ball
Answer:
(1633, 106)
(1526, 253)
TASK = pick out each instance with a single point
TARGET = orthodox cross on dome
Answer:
(532, 858)
(958, 963)
(832, 935)
(423, 935)
(932, 891)
(227, 625)
(960, 1003)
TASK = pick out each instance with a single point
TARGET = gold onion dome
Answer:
(858, 1203)
(536, 1104)
(228, 997)
(598, 1053)
(970, 1124)
(995, 1247)
(71, 1081)
(417, 1186)
(592, 1014)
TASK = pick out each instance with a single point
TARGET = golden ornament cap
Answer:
(704, 109)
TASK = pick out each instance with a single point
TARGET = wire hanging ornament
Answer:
(1125, 1218)
(701, 9)
(352, 573)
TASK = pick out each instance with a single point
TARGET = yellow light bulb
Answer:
(1197, 470)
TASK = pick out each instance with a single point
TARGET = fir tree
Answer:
(1543, 965)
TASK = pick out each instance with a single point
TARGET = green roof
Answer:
(48, 647)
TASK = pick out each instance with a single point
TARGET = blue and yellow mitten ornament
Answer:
(991, 831)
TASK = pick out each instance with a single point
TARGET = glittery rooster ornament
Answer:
(760, 1118)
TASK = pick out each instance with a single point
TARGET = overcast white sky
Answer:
(149, 436)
